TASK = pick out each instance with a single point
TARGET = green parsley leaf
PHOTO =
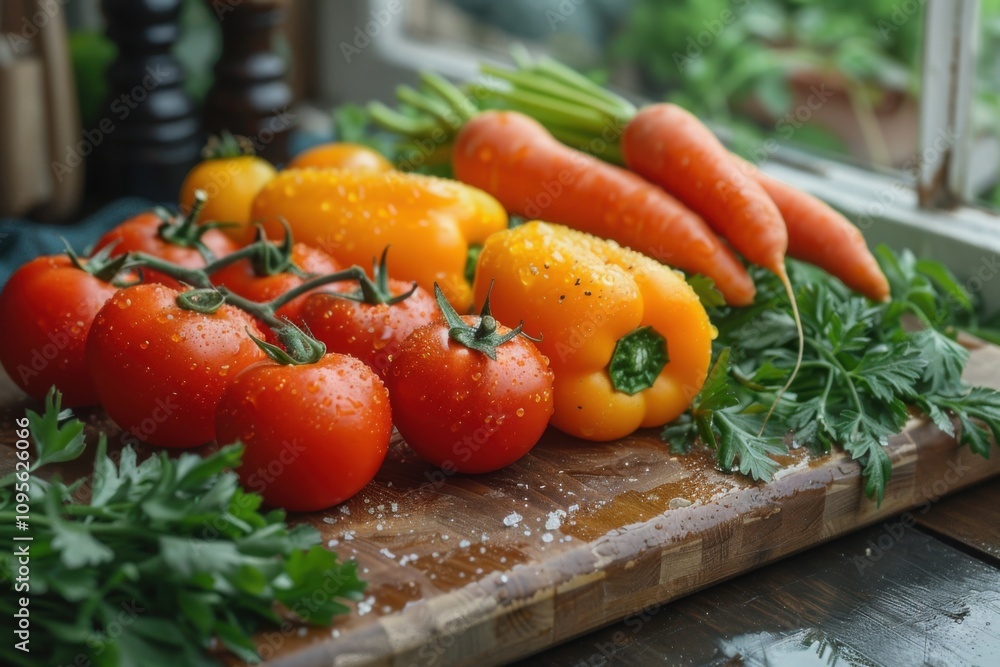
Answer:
(705, 288)
(890, 373)
(56, 438)
(173, 546)
(862, 365)
(944, 357)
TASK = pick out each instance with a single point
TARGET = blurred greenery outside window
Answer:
(838, 77)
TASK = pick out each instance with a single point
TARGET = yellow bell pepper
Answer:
(430, 223)
(627, 338)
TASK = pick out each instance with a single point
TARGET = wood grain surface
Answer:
(486, 569)
(971, 519)
(848, 604)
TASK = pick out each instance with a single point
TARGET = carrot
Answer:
(515, 159)
(822, 236)
(672, 148)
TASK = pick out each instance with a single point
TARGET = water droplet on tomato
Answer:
(143, 345)
(519, 412)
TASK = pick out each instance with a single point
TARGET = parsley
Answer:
(864, 364)
(167, 559)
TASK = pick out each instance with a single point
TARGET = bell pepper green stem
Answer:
(637, 361)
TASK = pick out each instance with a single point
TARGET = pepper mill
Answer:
(149, 128)
(250, 95)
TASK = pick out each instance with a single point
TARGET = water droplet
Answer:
(143, 345)
(476, 376)
(175, 337)
(520, 412)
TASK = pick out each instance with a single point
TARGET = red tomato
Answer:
(371, 332)
(47, 307)
(241, 279)
(141, 234)
(160, 370)
(461, 410)
(315, 434)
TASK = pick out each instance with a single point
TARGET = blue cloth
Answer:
(22, 240)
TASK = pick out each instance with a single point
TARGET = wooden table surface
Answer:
(893, 594)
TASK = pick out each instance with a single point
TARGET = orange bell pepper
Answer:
(430, 223)
(627, 338)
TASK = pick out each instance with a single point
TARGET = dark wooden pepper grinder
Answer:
(150, 127)
(250, 96)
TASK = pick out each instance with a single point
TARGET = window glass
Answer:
(839, 76)
(985, 171)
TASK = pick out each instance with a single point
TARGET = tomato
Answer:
(460, 409)
(47, 307)
(242, 278)
(341, 155)
(160, 370)
(146, 233)
(231, 176)
(315, 434)
(372, 332)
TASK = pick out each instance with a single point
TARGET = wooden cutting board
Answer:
(485, 569)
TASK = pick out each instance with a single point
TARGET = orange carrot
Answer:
(515, 159)
(672, 148)
(822, 236)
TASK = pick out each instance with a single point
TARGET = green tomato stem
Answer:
(208, 298)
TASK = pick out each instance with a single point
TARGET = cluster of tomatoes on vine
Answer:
(185, 338)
